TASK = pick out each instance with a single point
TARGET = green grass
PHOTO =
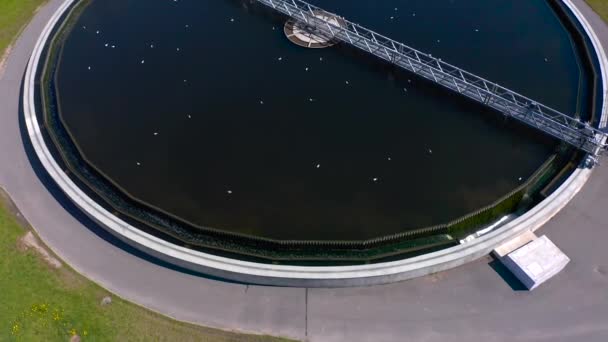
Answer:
(42, 303)
(601, 7)
(14, 14)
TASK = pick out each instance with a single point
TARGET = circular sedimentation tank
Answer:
(201, 124)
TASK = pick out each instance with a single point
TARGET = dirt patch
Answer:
(30, 242)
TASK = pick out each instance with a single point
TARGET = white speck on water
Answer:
(143, 61)
(306, 69)
(155, 133)
(519, 179)
(261, 102)
(405, 90)
(375, 179)
(430, 151)
(151, 46)
(409, 81)
(84, 27)
(476, 30)
(273, 28)
(187, 26)
(189, 116)
(89, 68)
(231, 20)
(177, 49)
(106, 45)
(546, 59)
(138, 164)
(347, 82)
(113, 46)
(280, 58)
(392, 17)
(396, 9)
(229, 192)
(318, 166)
(321, 59)
(388, 158)
(413, 14)
(96, 32)
(311, 99)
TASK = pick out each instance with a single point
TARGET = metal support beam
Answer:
(508, 102)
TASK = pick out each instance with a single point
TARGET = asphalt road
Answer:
(469, 303)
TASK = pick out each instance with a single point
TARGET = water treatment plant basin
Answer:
(202, 124)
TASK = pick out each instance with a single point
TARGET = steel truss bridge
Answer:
(511, 104)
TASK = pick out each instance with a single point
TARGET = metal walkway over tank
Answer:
(508, 102)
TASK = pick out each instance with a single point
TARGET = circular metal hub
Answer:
(305, 35)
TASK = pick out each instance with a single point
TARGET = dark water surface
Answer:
(204, 109)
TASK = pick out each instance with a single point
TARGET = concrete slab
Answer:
(536, 262)
(514, 244)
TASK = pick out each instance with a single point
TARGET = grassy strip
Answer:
(601, 7)
(43, 303)
(14, 14)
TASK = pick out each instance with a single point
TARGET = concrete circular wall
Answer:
(330, 276)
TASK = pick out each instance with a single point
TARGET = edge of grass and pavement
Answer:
(600, 7)
(42, 298)
(14, 15)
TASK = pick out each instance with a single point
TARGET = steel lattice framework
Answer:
(508, 102)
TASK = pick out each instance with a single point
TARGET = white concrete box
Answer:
(536, 262)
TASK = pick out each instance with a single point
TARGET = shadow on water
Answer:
(83, 219)
(506, 275)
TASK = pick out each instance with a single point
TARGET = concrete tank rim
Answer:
(282, 275)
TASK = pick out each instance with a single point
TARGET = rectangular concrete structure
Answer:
(536, 262)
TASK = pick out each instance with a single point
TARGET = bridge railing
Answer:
(510, 103)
